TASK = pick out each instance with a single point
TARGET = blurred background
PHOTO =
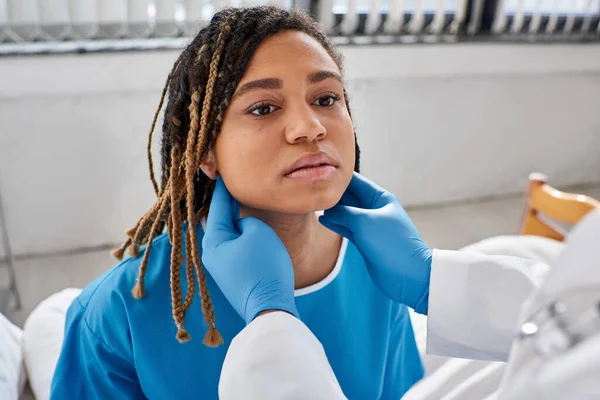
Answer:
(456, 102)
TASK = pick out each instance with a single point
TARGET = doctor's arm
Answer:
(277, 357)
(475, 302)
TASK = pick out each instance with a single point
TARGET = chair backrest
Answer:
(544, 205)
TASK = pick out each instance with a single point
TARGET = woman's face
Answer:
(287, 141)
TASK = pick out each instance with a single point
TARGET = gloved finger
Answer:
(364, 190)
(343, 215)
(350, 199)
(250, 225)
(220, 226)
(339, 229)
(254, 230)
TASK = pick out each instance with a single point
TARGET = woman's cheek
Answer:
(243, 186)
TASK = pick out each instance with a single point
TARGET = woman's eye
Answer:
(327, 101)
(262, 109)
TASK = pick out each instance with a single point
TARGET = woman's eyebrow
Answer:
(266, 83)
(322, 75)
(275, 83)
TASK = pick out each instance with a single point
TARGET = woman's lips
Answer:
(312, 166)
(316, 173)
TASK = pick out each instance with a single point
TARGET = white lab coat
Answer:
(573, 373)
(476, 303)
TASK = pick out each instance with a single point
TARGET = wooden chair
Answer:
(544, 205)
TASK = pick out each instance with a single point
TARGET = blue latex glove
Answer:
(398, 261)
(246, 259)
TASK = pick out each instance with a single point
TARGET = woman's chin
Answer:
(292, 206)
(313, 204)
(295, 202)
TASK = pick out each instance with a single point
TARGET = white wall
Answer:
(435, 123)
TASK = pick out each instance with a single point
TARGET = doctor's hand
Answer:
(246, 259)
(398, 261)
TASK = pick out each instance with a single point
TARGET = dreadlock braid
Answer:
(200, 86)
(143, 227)
(138, 289)
(149, 148)
(176, 253)
(189, 273)
(194, 148)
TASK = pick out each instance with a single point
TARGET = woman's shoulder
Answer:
(111, 293)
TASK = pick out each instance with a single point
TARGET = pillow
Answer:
(12, 373)
(42, 340)
(535, 248)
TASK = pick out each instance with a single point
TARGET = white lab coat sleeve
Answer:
(475, 302)
(277, 357)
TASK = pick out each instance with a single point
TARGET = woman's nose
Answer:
(304, 124)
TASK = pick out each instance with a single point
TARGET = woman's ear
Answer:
(208, 165)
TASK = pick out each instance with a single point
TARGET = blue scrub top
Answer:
(117, 347)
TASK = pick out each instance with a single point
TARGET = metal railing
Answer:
(55, 20)
(147, 22)
(394, 18)
(550, 19)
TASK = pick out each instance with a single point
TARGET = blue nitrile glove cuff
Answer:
(269, 297)
(417, 293)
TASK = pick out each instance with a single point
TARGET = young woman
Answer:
(258, 99)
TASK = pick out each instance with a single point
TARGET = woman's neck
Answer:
(313, 248)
